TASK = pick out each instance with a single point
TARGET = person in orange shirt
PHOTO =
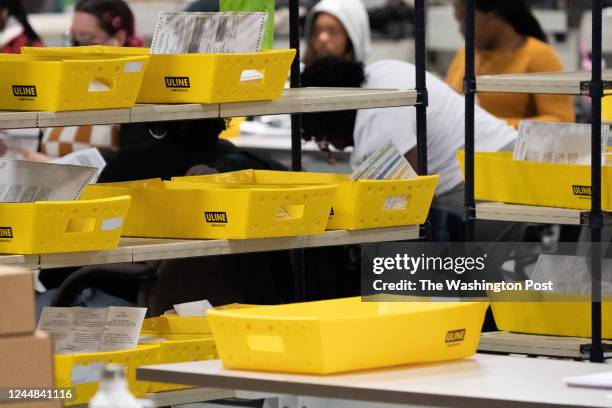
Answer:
(509, 40)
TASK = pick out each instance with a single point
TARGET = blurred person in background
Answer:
(509, 40)
(338, 28)
(104, 22)
(15, 30)
(95, 22)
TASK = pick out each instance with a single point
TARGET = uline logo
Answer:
(6, 232)
(582, 190)
(177, 82)
(24, 90)
(216, 217)
(455, 336)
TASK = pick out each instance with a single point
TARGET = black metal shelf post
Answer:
(299, 287)
(596, 216)
(469, 90)
(421, 85)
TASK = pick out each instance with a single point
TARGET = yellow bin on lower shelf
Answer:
(200, 78)
(62, 226)
(346, 335)
(500, 178)
(57, 84)
(358, 204)
(553, 315)
(81, 371)
(181, 351)
(186, 210)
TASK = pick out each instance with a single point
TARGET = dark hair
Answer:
(16, 10)
(332, 72)
(516, 13)
(112, 16)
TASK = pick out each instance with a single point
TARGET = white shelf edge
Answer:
(302, 100)
(525, 213)
(150, 249)
(24, 261)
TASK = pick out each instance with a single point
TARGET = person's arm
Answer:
(456, 71)
(549, 108)
(413, 159)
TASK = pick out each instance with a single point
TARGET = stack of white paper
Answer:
(183, 33)
(566, 143)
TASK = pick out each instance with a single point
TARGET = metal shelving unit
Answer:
(574, 83)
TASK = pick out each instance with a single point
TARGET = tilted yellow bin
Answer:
(62, 84)
(187, 210)
(358, 204)
(62, 226)
(345, 335)
(201, 78)
(500, 178)
(181, 351)
(81, 370)
(553, 315)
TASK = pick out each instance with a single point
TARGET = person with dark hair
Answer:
(104, 22)
(15, 30)
(176, 149)
(509, 40)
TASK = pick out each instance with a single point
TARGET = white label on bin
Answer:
(112, 224)
(396, 203)
(87, 373)
(133, 67)
(251, 75)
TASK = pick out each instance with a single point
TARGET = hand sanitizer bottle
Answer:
(113, 391)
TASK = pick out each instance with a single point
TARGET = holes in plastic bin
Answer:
(248, 327)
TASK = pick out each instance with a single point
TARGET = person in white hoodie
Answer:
(338, 28)
(337, 64)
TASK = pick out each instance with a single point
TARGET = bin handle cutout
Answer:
(80, 225)
(394, 203)
(252, 75)
(290, 212)
(102, 85)
(266, 344)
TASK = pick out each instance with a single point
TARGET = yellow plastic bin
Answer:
(62, 226)
(181, 351)
(79, 370)
(345, 335)
(553, 315)
(358, 204)
(500, 178)
(201, 78)
(187, 210)
(606, 108)
(61, 84)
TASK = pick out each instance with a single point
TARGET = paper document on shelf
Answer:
(198, 308)
(571, 274)
(267, 6)
(387, 163)
(87, 157)
(90, 330)
(25, 182)
(566, 143)
(229, 33)
(599, 380)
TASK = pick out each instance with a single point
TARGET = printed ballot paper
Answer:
(90, 330)
(565, 143)
(25, 182)
(387, 163)
(228, 33)
(87, 157)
